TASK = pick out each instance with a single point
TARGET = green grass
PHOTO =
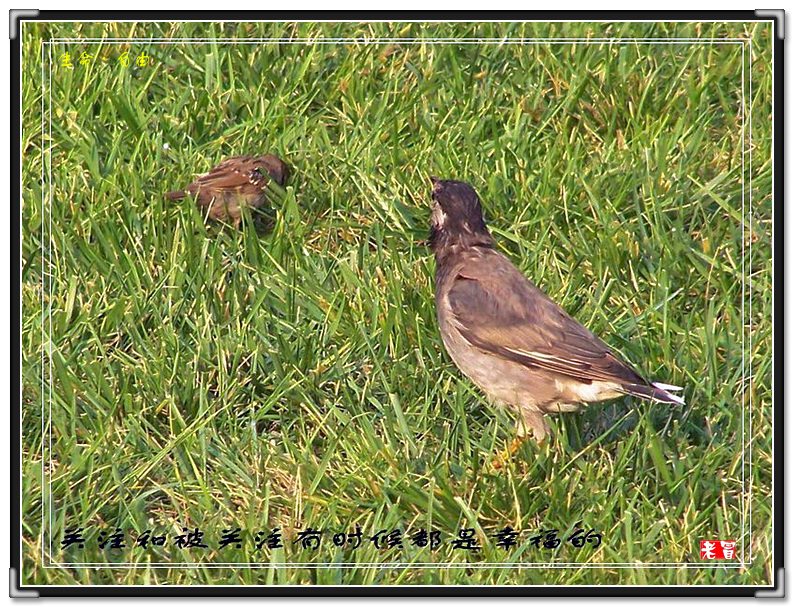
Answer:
(214, 378)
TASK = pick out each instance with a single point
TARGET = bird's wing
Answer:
(499, 311)
(234, 174)
(231, 174)
(228, 165)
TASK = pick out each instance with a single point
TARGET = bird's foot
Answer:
(502, 458)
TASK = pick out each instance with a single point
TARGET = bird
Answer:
(508, 336)
(241, 181)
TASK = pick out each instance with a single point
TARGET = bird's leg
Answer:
(530, 420)
(534, 420)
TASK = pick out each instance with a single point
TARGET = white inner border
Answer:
(746, 495)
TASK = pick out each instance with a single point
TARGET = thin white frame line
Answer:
(386, 39)
(459, 41)
(750, 285)
(772, 383)
(135, 565)
(735, 565)
(50, 283)
(426, 21)
(744, 351)
(20, 358)
(421, 586)
(743, 563)
(730, 564)
(43, 362)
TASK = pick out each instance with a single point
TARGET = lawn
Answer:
(183, 375)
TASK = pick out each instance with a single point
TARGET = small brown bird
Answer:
(507, 335)
(235, 183)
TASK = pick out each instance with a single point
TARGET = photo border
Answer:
(50, 16)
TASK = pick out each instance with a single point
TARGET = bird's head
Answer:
(273, 166)
(456, 216)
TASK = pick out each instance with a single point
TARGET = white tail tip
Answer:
(676, 399)
(667, 387)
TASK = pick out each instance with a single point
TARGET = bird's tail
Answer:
(657, 391)
(176, 195)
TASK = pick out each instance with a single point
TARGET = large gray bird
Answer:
(235, 183)
(522, 349)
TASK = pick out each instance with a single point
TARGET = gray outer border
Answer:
(778, 590)
(779, 15)
(15, 15)
(14, 585)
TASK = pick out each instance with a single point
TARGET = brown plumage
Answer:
(235, 183)
(508, 336)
